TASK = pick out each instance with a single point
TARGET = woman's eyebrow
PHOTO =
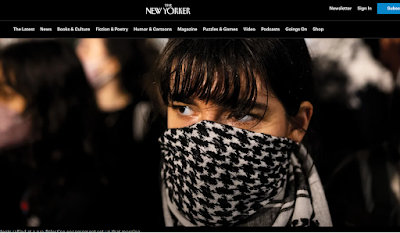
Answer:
(260, 106)
(185, 100)
(256, 105)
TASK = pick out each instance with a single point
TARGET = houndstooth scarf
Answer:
(218, 175)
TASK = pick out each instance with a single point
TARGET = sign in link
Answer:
(388, 8)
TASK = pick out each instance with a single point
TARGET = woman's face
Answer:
(9, 97)
(98, 65)
(14, 128)
(91, 49)
(274, 122)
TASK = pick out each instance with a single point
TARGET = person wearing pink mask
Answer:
(47, 163)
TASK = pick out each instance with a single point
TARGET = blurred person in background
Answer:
(49, 174)
(127, 137)
(358, 124)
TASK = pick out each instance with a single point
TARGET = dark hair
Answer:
(136, 58)
(219, 70)
(49, 76)
(61, 104)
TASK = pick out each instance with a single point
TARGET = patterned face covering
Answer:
(218, 175)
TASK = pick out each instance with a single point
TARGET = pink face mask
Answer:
(95, 74)
(14, 129)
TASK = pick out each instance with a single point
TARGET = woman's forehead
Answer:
(218, 81)
(225, 78)
(243, 102)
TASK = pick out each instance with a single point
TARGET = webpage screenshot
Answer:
(168, 116)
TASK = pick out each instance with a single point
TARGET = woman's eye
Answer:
(185, 110)
(246, 118)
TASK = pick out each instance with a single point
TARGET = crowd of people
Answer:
(152, 133)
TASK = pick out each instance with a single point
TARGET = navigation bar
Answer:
(163, 29)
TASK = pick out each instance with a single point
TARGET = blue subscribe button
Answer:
(388, 8)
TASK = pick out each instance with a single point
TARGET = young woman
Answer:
(237, 112)
(47, 166)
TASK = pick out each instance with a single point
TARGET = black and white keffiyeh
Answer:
(218, 175)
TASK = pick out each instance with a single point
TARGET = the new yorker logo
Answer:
(168, 10)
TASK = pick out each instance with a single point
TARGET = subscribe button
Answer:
(388, 8)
